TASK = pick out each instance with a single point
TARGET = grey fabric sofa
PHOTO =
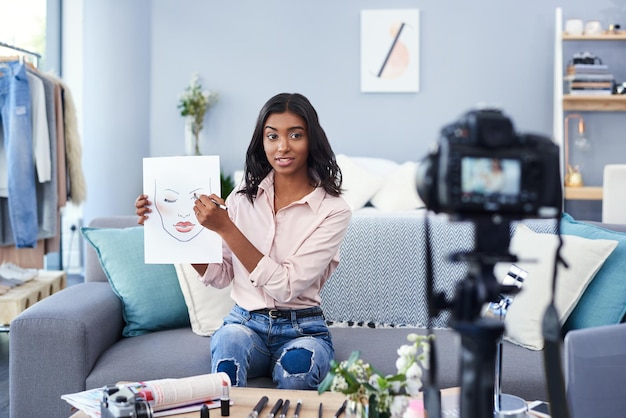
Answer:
(73, 341)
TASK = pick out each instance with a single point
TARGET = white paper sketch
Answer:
(390, 51)
(172, 234)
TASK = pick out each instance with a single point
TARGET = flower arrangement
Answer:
(194, 103)
(381, 396)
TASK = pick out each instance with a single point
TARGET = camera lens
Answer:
(143, 409)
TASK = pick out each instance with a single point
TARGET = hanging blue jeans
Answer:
(295, 349)
(15, 111)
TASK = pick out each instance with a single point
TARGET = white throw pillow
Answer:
(359, 184)
(399, 191)
(536, 255)
(379, 166)
(207, 305)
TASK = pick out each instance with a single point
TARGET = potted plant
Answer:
(193, 105)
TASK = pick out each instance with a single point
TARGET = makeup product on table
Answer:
(258, 407)
(341, 409)
(275, 408)
(225, 399)
(283, 413)
(296, 414)
(204, 411)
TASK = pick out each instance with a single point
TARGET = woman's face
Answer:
(286, 143)
(175, 203)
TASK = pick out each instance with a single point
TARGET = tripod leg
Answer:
(478, 353)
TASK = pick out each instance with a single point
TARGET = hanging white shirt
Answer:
(41, 134)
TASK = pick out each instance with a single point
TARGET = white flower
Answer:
(413, 379)
(339, 384)
(398, 405)
(396, 387)
(407, 351)
(414, 372)
(373, 380)
(392, 392)
(401, 363)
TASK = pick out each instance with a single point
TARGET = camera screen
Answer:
(489, 176)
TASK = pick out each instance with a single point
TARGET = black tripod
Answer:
(480, 336)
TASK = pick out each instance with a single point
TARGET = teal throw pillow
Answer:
(604, 300)
(150, 293)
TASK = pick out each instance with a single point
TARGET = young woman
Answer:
(281, 232)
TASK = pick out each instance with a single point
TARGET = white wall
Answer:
(139, 56)
(117, 103)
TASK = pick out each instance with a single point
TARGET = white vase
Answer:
(357, 408)
(192, 146)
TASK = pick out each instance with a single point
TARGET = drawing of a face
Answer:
(174, 202)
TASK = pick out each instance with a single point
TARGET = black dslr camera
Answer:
(123, 402)
(481, 166)
(482, 171)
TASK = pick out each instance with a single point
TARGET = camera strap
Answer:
(552, 344)
(432, 393)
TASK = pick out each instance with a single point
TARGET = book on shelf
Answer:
(587, 68)
(590, 92)
(165, 396)
(589, 77)
(590, 85)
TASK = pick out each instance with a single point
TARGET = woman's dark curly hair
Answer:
(323, 168)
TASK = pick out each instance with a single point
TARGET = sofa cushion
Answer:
(604, 300)
(536, 253)
(207, 305)
(150, 293)
(359, 184)
(173, 353)
(399, 190)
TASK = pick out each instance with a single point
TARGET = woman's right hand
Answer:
(142, 208)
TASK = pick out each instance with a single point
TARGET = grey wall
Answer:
(140, 55)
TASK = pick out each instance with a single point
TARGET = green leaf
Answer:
(353, 384)
(353, 358)
(227, 185)
(326, 383)
(396, 378)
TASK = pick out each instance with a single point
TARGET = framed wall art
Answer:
(390, 51)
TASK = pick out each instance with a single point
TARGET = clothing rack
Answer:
(26, 51)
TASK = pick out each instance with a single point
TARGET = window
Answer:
(23, 24)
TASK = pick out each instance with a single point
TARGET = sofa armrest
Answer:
(595, 369)
(55, 344)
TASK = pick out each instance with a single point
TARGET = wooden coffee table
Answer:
(18, 298)
(244, 399)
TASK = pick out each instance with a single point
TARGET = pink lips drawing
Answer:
(184, 226)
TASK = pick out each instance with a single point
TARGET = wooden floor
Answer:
(4, 360)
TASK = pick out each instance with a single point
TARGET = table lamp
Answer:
(573, 176)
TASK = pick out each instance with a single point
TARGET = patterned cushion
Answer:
(381, 278)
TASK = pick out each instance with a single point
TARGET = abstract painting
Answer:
(390, 51)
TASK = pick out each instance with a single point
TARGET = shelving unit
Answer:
(583, 193)
(613, 103)
(607, 36)
(565, 102)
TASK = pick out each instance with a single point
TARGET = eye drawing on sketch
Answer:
(174, 203)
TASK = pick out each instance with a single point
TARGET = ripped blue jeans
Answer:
(295, 351)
